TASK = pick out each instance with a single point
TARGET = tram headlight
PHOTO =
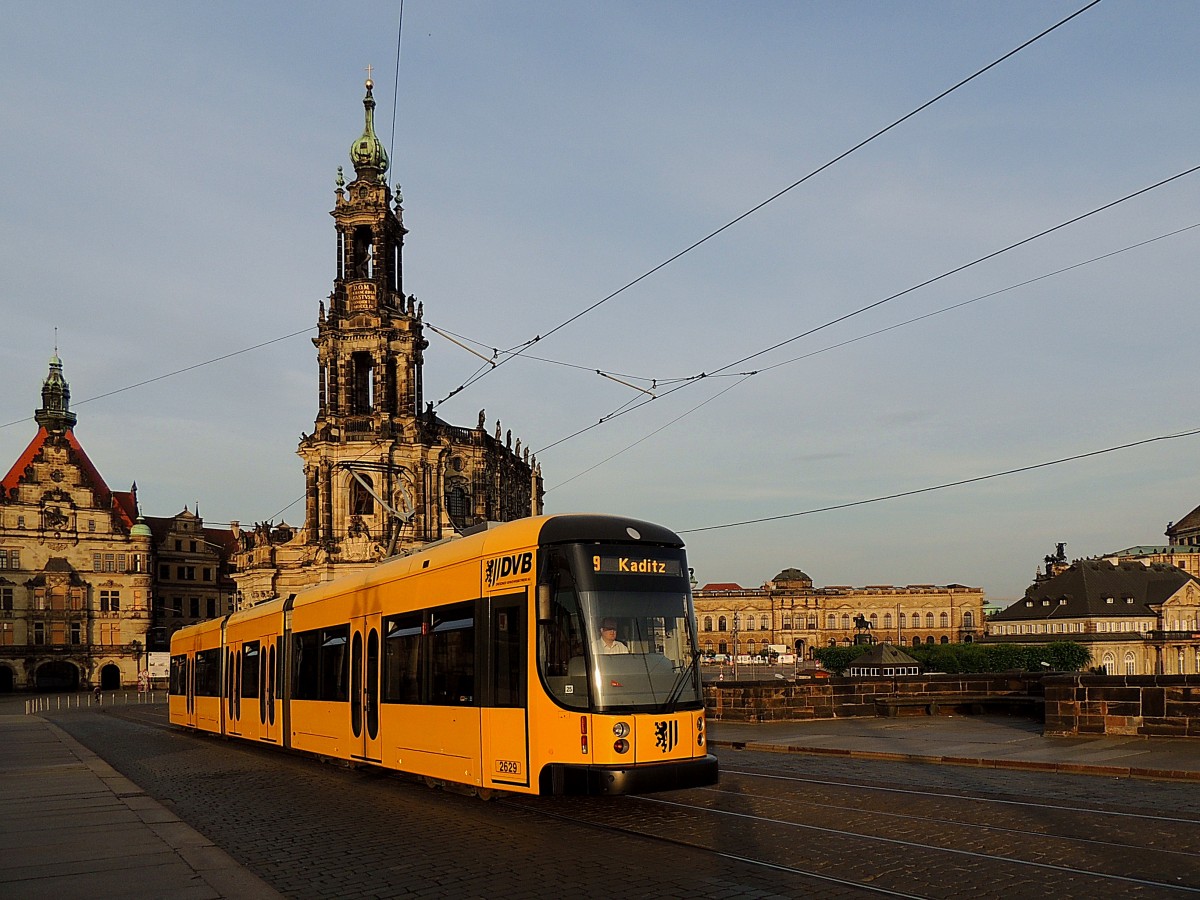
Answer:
(621, 729)
(621, 745)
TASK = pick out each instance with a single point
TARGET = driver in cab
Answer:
(607, 642)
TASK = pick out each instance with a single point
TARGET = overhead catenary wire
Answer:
(172, 374)
(842, 318)
(949, 484)
(396, 83)
(518, 349)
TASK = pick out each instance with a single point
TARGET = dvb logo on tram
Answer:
(503, 571)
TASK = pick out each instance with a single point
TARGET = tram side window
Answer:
(402, 658)
(250, 669)
(322, 664)
(429, 657)
(560, 651)
(179, 675)
(452, 655)
(208, 673)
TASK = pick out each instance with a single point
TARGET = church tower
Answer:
(383, 473)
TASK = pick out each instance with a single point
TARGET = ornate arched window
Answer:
(722, 624)
(929, 622)
(708, 623)
(361, 501)
(945, 620)
(968, 619)
(458, 503)
(764, 623)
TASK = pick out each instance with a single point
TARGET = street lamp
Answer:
(736, 622)
(137, 660)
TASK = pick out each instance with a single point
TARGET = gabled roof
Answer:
(1189, 522)
(1084, 589)
(722, 586)
(224, 538)
(123, 504)
(161, 527)
(23, 461)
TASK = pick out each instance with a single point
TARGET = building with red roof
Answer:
(75, 577)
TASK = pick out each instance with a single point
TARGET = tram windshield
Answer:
(621, 635)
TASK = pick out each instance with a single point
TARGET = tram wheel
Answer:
(430, 782)
(487, 794)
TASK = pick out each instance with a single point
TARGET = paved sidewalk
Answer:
(72, 826)
(1000, 742)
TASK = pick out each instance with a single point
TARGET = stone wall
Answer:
(1123, 704)
(835, 698)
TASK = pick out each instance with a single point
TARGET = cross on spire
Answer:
(368, 71)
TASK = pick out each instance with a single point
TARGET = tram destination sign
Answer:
(624, 564)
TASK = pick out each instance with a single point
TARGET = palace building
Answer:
(789, 611)
(1136, 618)
(75, 563)
(383, 472)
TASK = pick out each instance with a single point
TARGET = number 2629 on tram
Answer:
(550, 655)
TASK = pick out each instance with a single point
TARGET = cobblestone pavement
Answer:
(314, 830)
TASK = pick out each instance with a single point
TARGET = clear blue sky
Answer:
(169, 169)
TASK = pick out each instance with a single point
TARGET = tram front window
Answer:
(641, 651)
(620, 635)
(622, 651)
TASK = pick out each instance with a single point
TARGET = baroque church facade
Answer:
(384, 474)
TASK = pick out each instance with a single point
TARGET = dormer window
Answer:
(1045, 603)
(1108, 600)
(1062, 601)
(1129, 600)
(1029, 603)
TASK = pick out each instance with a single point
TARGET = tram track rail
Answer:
(1070, 860)
(914, 835)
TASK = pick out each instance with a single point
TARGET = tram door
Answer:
(268, 709)
(364, 687)
(504, 732)
(233, 688)
(189, 679)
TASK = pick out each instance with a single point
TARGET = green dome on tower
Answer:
(366, 153)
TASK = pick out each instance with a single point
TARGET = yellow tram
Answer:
(481, 662)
